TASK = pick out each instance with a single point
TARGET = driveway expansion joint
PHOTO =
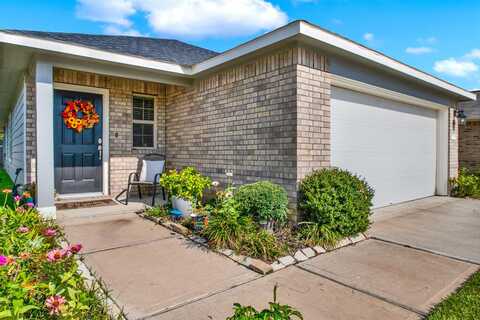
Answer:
(423, 250)
(371, 294)
(128, 245)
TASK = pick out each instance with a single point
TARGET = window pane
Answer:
(137, 114)
(143, 108)
(148, 115)
(143, 135)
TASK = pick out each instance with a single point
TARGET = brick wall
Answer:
(469, 148)
(453, 145)
(123, 157)
(263, 119)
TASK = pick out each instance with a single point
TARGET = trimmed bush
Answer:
(466, 185)
(338, 201)
(263, 200)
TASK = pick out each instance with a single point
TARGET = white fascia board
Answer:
(278, 35)
(84, 52)
(346, 83)
(347, 45)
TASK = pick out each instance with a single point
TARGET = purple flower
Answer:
(54, 304)
(23, 229)
(3, 261)
(75, 248)
(49, 232)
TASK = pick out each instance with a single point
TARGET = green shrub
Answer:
(466, 185)
(276, 311)
(338, 201)
(187, 184)
(314, 234)
(263, 200)
(225, 226)
(261, 244)
(36, 273)
(158, 212)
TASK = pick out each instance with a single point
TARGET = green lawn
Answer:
(5, 183)
(461, 305)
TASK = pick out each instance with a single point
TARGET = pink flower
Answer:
(23, 229)
(55, 255)
(3, 261)
(54, 304)
(75, 248)
(17, 198)
(49, 232)
(30, 204)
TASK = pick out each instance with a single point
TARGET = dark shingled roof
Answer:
(150, 48)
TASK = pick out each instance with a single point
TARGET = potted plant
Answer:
(185, 188)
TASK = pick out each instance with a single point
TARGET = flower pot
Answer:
(182, 205)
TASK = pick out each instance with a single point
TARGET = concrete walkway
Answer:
(158, 275)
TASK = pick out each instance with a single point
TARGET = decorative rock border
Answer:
(258, 265)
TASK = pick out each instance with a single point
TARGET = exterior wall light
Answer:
(462, 118)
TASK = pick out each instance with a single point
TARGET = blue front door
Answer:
(78, 155)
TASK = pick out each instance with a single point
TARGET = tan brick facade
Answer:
(123, 157)
(469, 149)
(262, 120)
(31, 125)
(453, 145)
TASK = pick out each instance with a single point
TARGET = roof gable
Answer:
(168, 50)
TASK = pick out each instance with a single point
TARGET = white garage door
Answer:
(391, 144)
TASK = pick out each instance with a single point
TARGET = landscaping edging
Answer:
(257, 265)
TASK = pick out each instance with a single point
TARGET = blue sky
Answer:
(441, 37)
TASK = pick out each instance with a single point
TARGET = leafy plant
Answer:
(187, 184)
(263, 200)
(261, 244)
(466, 185)
(225, 226)
(338, 201)
(159, 212)
(275, 311)
(38, 278)
(314, 234)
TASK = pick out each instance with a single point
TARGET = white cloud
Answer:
(116, 31)
(418, 50)
(455, 67)
(197, 18)
(113, 11)
(368, 36)
(474, 54)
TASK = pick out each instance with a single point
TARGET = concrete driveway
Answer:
(155, 274)
(443, 225)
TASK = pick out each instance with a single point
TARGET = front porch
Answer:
(66, 164)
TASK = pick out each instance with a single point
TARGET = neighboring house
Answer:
(469, 135)
(293, 100)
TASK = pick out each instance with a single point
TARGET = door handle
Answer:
(100, 148)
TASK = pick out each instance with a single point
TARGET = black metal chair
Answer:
(151, 168)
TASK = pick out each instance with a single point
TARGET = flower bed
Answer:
(250, 226)
(39, 278)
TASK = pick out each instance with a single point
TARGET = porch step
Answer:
(89, 202)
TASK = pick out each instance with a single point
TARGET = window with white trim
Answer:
(143, 122)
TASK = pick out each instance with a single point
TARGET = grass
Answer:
(5, 183)
(461, 305)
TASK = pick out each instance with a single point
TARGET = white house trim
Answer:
(294, 30)
(105, 123)
(359, 86)
(95, 54)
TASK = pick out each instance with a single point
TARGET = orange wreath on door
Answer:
(79, 115)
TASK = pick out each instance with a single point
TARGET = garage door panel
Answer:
(391, 144)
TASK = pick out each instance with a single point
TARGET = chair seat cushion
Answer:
(150, 168)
